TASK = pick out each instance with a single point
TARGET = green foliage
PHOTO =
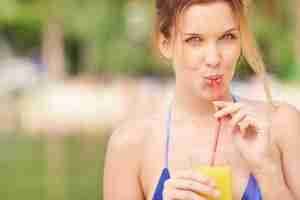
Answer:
(25, 161)
(116, 34)
(276, 38)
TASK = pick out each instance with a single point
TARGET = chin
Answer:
(215, 97)
(210, 95)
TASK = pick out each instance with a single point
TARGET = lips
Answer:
(214, 80)
(214, 77)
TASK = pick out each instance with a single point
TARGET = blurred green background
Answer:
(77, 50)
(40, 167)
(114, 36)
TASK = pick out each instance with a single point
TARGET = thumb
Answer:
(220, 104)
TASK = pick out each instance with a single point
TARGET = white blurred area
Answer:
(32, 103)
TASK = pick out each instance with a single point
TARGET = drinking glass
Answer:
(200, 161)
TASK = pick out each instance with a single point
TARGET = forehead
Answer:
(215, 17)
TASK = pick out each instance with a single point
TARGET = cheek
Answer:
(195, 55)
(231, 55)
(188, 57)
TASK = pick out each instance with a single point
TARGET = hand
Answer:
(188, 185)
(251, 136)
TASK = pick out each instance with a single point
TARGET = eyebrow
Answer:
(198, 34)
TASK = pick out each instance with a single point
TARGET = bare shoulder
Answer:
(131, 133)
(285, 118)
(286, 123)
(286, 113)
(125, 151)
(259, 107)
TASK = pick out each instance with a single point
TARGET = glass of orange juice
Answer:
(221, 174)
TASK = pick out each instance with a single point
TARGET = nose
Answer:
(213, 57)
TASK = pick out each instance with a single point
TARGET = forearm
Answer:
(272, 185)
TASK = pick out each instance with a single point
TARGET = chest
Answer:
(191, 147)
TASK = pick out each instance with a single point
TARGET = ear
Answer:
(165, 47)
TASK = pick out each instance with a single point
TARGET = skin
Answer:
(204, 48)
(273, 136)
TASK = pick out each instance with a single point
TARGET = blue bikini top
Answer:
(252, 191)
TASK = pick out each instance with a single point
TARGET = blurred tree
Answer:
(296, 12)
(47, 14)
(271, 8)
(273, 23)
(95, 23)
(113, 35)
(53, 55)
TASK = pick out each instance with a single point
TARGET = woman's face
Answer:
(207, 43)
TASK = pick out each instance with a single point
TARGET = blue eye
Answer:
(193, 40)
(229, 36)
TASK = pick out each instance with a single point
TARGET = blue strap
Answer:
(168, 131)
(158, 193)
(252, 191)
(235, 98)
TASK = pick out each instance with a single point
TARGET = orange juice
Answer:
(222, 177)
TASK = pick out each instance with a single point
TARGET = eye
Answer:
(229, 36)
(194, 40)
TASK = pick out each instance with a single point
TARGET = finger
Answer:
(196, 176)
(239, 116)
(191, 185)
(256, 125)
(245, 124)
(229, 110)
(218, 105)
(221, 104)
(182, 195)
(242, 125)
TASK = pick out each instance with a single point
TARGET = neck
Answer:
(188, 106)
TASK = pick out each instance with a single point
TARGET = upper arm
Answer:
(121, 169)
(287, 125)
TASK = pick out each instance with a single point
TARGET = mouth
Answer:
(214, 79)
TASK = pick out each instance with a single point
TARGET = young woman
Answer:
(148, 158)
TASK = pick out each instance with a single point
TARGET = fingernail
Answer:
(216, 115)
(206, 180)
(217, 193)
(215, 108)
(216, 102)
(213, 183)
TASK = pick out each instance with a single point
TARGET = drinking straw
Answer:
(217, 130)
